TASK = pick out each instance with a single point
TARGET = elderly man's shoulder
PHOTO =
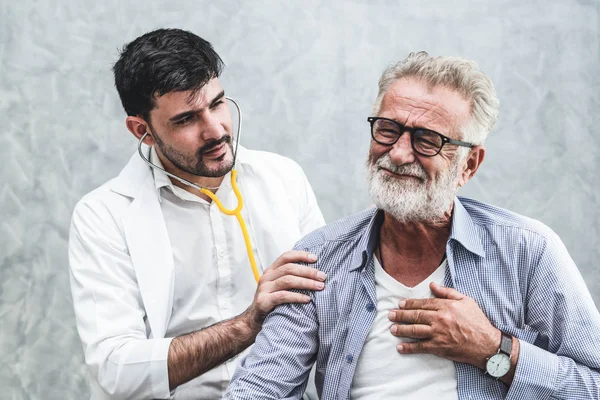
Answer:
(490, 217)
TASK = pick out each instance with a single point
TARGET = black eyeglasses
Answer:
(424, 141)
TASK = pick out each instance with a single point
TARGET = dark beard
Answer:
(197, 166)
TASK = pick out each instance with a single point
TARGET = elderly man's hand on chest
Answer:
(451, 326)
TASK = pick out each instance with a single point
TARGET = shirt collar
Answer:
(367, 242)
(463, 230)
(160, 178)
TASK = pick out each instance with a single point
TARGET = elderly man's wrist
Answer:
(488, 349)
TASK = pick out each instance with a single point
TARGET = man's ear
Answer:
(471, 164)
(137, 126)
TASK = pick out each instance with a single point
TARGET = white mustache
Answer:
(412, 169)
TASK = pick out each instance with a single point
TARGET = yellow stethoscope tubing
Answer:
(237, 212)
(238, 215)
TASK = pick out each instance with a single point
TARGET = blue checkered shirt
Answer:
(515, 268)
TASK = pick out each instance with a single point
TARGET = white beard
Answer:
(411, 200)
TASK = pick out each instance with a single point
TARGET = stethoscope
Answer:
(237, 211)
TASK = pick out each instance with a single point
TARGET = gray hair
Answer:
(459, 74)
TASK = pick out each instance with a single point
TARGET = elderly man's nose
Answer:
(402, 151)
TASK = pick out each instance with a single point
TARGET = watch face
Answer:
(498, 365)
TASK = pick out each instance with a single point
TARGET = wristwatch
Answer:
(498, 365)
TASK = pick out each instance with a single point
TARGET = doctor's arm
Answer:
(195, 353)
(110, 315)
(564, 360)
(109, 311)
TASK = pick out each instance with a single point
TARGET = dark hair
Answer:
(163, 61)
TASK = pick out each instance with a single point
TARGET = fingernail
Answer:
(312, 257)
(399, 347)
(391, 315)
(394, 329)
(320, 285)
(402, 304)
(321, 275)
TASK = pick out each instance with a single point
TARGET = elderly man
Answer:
(429, 295)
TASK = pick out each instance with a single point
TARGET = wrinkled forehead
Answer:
(414, 103)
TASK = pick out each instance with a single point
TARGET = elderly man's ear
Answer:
(471, 164)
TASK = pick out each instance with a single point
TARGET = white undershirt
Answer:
(382, 372)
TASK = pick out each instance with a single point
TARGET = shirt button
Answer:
(349, 358)
(220, 252)
(370, 307)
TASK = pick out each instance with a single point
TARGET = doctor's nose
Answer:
(212, 128)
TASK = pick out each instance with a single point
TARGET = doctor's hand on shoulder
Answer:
(276, 282)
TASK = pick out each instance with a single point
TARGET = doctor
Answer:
(163, 292)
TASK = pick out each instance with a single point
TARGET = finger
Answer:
(432, 304)
(415, 331)
(294, 256)
(296, 270)
(418, 347)
(412, 316)
(288, 282)
(443, 292)
(282, 297)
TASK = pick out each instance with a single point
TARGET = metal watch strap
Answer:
(506, 344)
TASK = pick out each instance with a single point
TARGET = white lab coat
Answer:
(121, 266)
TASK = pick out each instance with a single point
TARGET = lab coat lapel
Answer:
(149, 246)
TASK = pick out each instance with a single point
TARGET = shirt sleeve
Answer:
(564, 361)
(109, 311)
(278, 365)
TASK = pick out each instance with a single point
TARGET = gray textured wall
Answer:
(305, 74)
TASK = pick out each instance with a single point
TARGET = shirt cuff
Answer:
(159, 370)
(536, 374)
